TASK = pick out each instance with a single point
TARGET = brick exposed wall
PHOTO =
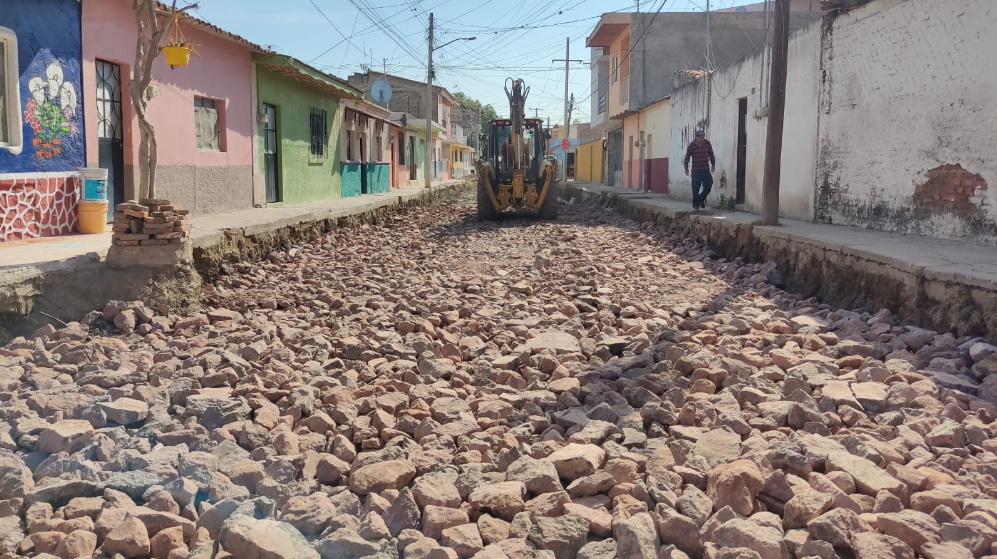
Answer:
(950, 188)
(37, 207)
(907, 127)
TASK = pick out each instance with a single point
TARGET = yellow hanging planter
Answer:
(178, 48)
(177, 56)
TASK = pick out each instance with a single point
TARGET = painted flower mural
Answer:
(51, 111)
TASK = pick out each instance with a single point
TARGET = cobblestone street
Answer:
(434, 387)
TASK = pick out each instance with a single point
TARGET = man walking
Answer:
(700, 151)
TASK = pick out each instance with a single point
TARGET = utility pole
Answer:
(547, 142)
(777, 113)
(709, 58)
(536, 113)
(567, 69)
(429, 106)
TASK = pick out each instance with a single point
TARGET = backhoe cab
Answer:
(513, 171)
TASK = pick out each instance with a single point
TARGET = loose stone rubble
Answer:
(437, 388)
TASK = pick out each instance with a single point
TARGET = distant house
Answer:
(365, 152)
(300, 112)
(203, 113)
(42, 139)
(405, 165)
(408, 97)
(635, 57)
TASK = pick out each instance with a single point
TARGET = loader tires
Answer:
(548, 208)
(486, 210)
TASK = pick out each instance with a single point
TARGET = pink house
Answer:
(203, 113)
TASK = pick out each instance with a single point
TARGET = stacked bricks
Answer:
(151, 221)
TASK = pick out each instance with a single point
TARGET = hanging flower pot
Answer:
(177, 55)
(178, 49)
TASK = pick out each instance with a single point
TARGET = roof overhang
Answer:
(456, 144)
(448, 96)
(610, 26)
(299, 71)
(420, 125)
(367, 108)
(162, 8)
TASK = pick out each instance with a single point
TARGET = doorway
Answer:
(110, 143)
(615, 158)
(270, 155)
(412, 167)
(742, 148)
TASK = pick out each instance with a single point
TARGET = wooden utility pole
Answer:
(777, 113)
(567, 124)
(429, 106)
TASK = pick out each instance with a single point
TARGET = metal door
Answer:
(270, 155)
(412, 165)
(110, 145)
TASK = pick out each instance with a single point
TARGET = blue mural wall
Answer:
(49, 52)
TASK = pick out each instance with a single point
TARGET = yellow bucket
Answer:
(93, 216)
(177, 56)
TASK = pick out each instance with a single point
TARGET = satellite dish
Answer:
(381, 92)
(741, 9)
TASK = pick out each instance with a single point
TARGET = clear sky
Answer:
(516, 38)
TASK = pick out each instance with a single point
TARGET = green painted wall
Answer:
(378, 178)
(352, 174)
(302, 179)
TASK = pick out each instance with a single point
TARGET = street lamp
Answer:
(429, 97)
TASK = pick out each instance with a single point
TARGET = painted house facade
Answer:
(203, 113)
(634, 61)
(42, 122)
(365, 152)
(405, 145)
(300, 115)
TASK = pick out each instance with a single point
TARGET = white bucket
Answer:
(94, 183)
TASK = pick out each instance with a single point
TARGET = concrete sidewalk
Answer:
(944, 284)
(23, 264)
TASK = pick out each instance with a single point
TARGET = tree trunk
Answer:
(146, 51)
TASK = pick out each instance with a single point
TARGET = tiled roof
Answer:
(205, 26)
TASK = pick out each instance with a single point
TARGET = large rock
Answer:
(380, 476)
(910, 526)
(577, 460)
(869, 478)
(560, 342)
(68, 435)
(869, 545)
(764, 540)
(636, 537)
(805, 506)
(129, 538)
(125, 411)
(503, 500)
(248, 538)
(719, 446)
(678, 530)
(564, 535)
(16, 480)
(310, 515)
(736, 485)
(539, 476)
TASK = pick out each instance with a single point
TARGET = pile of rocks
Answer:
(436, 388)
(151, 221)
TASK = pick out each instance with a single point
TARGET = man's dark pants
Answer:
(702, 183)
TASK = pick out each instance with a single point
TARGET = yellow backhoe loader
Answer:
(513, 171)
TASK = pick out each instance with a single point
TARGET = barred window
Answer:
(319, 134)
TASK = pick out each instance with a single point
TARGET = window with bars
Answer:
(10, 116)
(319, 126)
(207, 124)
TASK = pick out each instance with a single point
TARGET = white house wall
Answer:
(907, 125)
(743, 79)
